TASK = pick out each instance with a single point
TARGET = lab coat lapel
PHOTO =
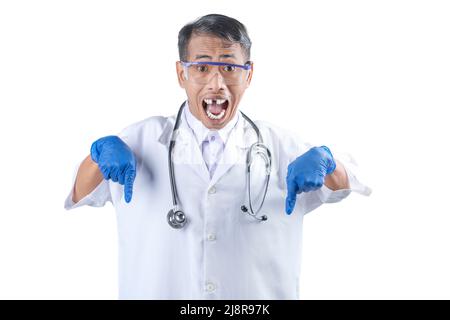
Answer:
(239, 141)
(186, 153)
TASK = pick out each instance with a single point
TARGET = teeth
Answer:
(213, 116)
(218, 101)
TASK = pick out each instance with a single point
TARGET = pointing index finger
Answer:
(291, 198)
(130, 175)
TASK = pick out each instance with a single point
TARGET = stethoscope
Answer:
(176, 217)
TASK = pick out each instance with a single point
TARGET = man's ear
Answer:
(181, 74)
(250, 75)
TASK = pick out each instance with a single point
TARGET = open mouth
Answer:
(215, 109)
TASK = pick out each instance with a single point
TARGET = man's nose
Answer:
(216, 82)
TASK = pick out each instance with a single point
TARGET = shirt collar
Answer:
(201, 132)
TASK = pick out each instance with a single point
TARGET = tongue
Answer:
(215, 108)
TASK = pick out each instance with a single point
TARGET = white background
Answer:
(366, 77)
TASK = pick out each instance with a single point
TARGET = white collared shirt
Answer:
(211, 142)
(221, 253)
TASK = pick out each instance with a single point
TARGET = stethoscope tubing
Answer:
(176, 217)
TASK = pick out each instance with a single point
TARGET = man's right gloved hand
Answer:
(116, 161)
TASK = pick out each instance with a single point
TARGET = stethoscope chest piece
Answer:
(176, 219)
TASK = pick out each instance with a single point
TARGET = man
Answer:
(222, 246)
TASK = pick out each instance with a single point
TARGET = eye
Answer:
(202, 68)
(229, 68)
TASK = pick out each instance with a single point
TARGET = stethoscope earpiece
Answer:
(262, 218)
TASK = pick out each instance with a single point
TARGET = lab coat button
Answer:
(212, 190)
(210, 287)
(211, 237)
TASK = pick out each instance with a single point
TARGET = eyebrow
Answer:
(201, 56)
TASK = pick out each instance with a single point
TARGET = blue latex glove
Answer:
(116, 161)
(307, 173)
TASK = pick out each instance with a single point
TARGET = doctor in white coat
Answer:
(224, 244)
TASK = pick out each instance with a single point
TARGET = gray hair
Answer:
(217, 25)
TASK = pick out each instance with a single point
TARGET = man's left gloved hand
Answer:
(307, 173)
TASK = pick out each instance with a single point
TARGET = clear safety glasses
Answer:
(201, 72)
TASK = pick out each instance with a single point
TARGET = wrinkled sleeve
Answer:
(291, 147)
(328, 196)
(97, 198)
(314, 199)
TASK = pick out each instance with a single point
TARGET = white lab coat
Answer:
(221, 253)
